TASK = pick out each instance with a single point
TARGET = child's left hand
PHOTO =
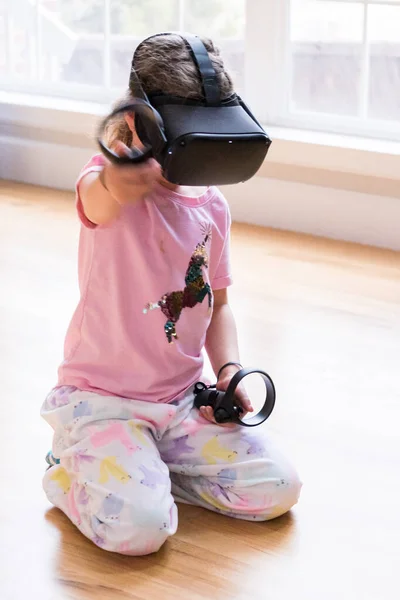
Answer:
(240, 394)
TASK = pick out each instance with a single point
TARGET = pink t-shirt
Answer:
(145, 294)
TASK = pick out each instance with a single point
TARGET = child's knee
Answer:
(139, 530)
(281, 493)
(270, 490)
(113, 522)
(288, 491)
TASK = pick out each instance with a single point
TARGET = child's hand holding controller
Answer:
(103, 194)
(129, 183)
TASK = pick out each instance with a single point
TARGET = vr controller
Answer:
(225, 405)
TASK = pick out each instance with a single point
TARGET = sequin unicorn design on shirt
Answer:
(194, 293)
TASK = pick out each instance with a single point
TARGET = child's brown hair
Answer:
(164, 64)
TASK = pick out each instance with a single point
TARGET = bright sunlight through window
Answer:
(326, 65)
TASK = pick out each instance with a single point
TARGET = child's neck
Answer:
(183, 190)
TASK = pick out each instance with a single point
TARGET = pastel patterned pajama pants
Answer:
(124, 463)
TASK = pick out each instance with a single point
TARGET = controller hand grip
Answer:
(226, 408)
(134, 156)
(153, 122)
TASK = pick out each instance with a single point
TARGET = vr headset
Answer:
(210, 141)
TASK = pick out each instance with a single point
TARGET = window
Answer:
(330, 65)
(83, 48)
(345, 61)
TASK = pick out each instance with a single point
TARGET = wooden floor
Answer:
(324, 319)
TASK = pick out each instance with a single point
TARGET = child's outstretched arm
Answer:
(222, 347)
(103, 194)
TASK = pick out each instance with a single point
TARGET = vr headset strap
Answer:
(135, 86)
(203, 62)
(207, 72)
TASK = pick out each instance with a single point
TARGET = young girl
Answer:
(128, 442)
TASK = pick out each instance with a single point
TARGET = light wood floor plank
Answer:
(323, 318)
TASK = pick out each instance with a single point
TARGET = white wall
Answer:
(328, 212)
(53, 156)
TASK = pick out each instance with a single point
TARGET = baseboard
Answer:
(40, 162)
(327, 212)
(335, 213)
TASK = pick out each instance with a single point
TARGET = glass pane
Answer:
(384, 85)
(19, 38)
(3, 35)
(137, 18)
(326, 50)
(121, 58)
(3, 50)
(72, 41)
(80, 16)
(224, 22)
(131, 21)
(217, 19)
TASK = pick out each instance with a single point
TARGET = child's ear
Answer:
(130, 120)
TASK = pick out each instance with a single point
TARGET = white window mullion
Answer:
(284, 64)
(365, 65)
(107, 44)
(265, 44)
(36, 62)
(9, 44)
(182, 15)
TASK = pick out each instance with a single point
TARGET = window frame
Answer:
(267, 59)
(278, 109)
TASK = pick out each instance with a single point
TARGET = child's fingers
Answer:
(120, 148)
(245, 403)
(130, 182)
(243, 398)
(208, 413)
(142, 173)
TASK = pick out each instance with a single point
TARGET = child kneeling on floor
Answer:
(128, 443)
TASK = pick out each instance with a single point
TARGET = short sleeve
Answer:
(95, 164)
(223, 274)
